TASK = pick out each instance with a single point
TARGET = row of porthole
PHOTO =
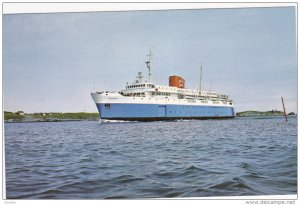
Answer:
(209, 111)
(164, 98)
(191, 111)
(202, 108)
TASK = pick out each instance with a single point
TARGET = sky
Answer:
(52, 62)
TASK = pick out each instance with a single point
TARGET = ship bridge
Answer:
(139, 85)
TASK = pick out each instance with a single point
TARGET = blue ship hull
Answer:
(152, 112)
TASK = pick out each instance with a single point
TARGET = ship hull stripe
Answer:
(153, 112)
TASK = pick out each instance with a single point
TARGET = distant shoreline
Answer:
(63, 120)
(20, 117)
(252, 113)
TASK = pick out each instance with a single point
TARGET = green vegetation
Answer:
(70, 115)
(12, 116)
(257, 113)
(76, 116)
(49, 117)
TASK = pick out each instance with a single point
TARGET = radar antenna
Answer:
(139, 78)
(148, 63)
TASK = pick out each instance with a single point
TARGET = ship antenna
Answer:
(149, 65)
(200, 79)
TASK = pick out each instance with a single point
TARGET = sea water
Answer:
(137, 160)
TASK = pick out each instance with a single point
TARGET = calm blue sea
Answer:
(197, 158)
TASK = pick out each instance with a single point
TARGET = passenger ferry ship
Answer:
(146, 101)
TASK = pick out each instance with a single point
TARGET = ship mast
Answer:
(200, 87)
(148, 63)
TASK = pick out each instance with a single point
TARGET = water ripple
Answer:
(122, 160)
